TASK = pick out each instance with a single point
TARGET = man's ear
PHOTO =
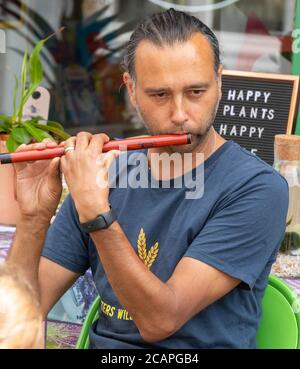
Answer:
(130, 84)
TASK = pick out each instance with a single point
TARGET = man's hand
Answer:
(38, 184)
(85, 168)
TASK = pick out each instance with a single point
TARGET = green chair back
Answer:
(83, 341)
(280, 324)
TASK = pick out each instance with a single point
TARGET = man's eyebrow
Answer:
(198, 85)
(153, 90)
(156, 90)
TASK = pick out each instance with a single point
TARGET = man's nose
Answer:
(179, 115)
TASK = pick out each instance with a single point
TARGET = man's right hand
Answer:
(38, 185)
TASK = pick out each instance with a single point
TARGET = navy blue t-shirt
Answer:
(236, 227)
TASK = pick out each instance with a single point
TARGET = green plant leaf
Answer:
(6, 127)
(24, 73)
(12, 144)
(21, 135)
(51, 123)
(15, 93)
(58, 132)
(36, 119)
(35, 65)
(35, 73)
(3, 129)
(5, 119)
(35, 132)
(45, 75)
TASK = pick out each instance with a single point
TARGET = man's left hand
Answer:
(86, 172)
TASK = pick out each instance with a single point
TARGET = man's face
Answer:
(176, 89)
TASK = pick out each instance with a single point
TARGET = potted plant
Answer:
(15, 130)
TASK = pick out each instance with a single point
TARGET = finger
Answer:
(114, 154)
(20, 166)
(35, 146)
(50, 144)
(107, 158)
(71, 142)
(21, 148)
(63, 163)
(15, 185)
(47, 140)
(64, 169)
(97, 142)
(54, 174)
(82, 142)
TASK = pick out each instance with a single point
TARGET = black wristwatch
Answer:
(102, 221)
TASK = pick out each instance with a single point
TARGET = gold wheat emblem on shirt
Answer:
(147, 258)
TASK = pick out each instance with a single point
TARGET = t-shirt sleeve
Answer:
(245, 232)
(65, 242)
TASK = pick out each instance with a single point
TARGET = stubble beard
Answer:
(197, 137)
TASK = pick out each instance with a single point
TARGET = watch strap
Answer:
(102, 221)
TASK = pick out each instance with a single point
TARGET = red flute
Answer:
(136, 143)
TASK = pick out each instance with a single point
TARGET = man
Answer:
(172, 272)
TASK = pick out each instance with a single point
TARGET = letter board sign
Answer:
(255, 107)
